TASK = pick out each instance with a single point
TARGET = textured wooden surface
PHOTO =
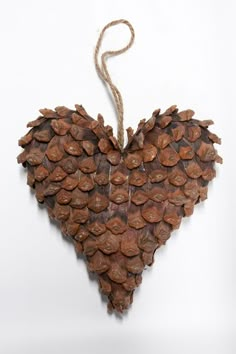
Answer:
(118, 207)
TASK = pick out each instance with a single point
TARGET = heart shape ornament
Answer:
(118, 206)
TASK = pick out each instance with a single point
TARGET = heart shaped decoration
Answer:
(118, 206)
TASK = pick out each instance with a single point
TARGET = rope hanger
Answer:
(104, 74)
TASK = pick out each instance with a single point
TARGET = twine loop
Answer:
(104, 74)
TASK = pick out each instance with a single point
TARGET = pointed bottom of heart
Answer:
(116, 283)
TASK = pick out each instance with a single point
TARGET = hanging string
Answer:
(104, 74)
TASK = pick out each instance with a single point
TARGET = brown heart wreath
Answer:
(118, 205)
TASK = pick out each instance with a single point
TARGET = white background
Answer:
(184, 54)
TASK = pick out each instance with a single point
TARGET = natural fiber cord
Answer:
(104, 74)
